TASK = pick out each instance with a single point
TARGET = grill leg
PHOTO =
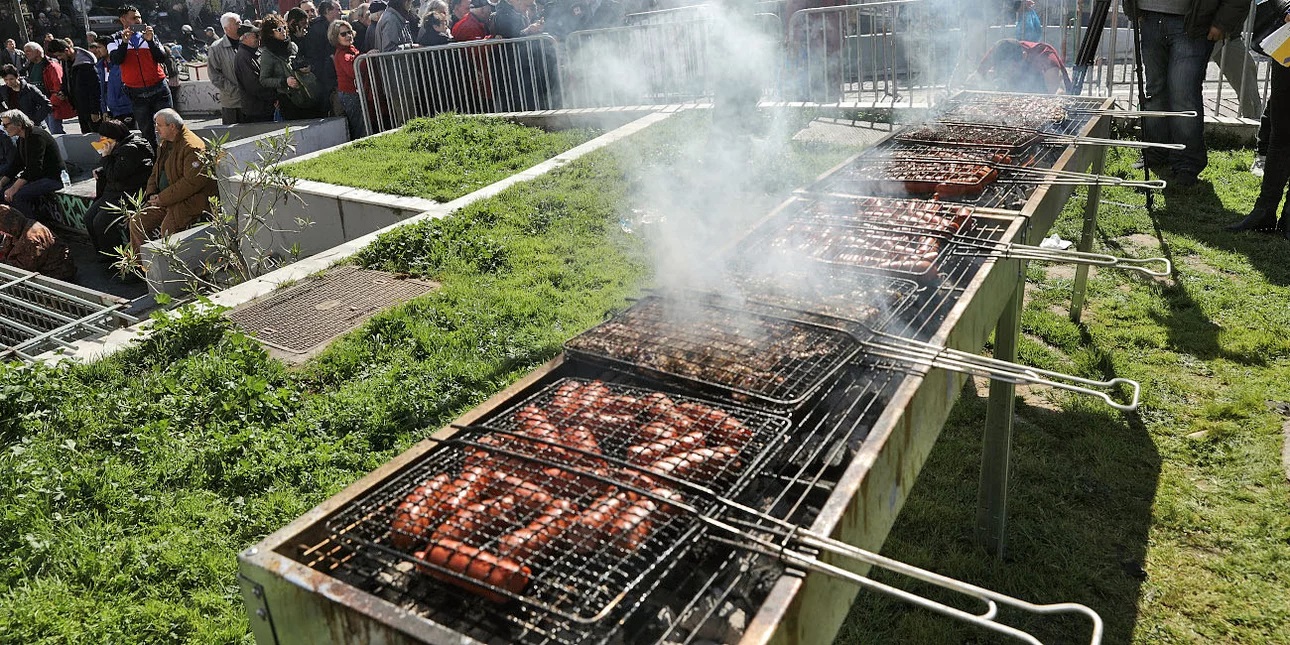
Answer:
(1086, 237)
(992, 491)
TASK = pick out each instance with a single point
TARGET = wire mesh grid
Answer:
(560, 502)
(719, 349)
(35, 318)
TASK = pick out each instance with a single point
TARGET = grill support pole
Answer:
(996, 446)
(1086, 237)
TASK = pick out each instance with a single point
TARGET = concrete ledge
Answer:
(192, 248)
(89, 350)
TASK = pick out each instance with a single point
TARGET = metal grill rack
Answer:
(40, 314)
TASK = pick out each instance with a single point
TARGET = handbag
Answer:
(306, 93)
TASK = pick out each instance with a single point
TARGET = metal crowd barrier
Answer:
(476, 77)
(895, 53)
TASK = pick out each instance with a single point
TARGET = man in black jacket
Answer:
(80, 83)
(257, 100)
(316, 49)
(18, 94)
(40, 168)
(127, 164)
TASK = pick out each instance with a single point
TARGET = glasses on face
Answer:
(346, 34)
(282, 29)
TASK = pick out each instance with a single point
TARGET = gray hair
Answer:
(19, 117)
(33, 46)
(170, 116)
(230, 17)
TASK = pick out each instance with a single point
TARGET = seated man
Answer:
(40, 166)
(1021, 66)
(126, 167)
(31, 246)
(181, 184)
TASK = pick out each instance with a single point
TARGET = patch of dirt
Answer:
(1037, 397)
(1141, 240)
(1198, 265)
(1060, 272)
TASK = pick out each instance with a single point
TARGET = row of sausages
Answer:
(550, 485)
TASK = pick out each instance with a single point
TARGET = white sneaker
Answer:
(1257, 168)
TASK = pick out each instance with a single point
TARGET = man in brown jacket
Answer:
(181, 184)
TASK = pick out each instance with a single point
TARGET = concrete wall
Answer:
(196, 98)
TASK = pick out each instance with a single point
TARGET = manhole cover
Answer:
(299, 318)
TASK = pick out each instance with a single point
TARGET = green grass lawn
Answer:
(128, 486)
(1172, 522)
(441, 157)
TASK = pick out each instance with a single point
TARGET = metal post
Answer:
(1086, 237)
(996, 446)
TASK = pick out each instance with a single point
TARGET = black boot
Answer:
(1259, 219)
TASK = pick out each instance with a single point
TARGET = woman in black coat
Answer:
(127, 164)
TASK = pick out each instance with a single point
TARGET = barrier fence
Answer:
(898, 53)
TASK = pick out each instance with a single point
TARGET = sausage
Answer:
(412, 517)
(722, 429)
(696, 465)
(469, 562)
(646, 454)
(533, 540)
(656, 431)
(635, 524)
(591, 527)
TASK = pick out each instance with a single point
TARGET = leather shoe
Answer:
(1259, 219)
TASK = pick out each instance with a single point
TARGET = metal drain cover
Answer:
(299, 318)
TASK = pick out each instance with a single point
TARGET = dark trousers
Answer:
(88, 125)
(230, 116)
(106, 227)
(24, 201)
(147, 101)
(1276, 174)
(1174, 64)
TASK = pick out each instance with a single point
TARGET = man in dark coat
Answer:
(40, 167)
(126, 166)
(80, 83)
(257, 100)
(18, 94)
(316, 49)
(31, 246)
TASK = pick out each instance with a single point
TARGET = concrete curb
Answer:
(94, 349)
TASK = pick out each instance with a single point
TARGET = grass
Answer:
(1170, 522)
(128, 486)
(439, 158)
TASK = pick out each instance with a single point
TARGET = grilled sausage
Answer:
(591, 527)
(533, 540)
(442, 493)
(646, 454)
(472, 563)
(696, 465)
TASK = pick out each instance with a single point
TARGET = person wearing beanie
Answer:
(126, 166)
(477, 25)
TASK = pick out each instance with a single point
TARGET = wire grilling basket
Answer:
(718, 349)
(537, 505)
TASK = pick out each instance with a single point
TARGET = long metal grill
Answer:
(544, 502)
(723, 350)
(38, 314)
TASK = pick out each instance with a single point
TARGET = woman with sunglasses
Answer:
(277, 58)
(341, 35)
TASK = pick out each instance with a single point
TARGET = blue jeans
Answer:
(353, 114)
(24, 201)
(1175, 71)
(55, 125)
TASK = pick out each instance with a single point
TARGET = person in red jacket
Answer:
(140, 56)
(46, 75)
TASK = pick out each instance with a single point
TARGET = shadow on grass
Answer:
(1082, 485)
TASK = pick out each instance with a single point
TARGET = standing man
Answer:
(257, 100)
(80, 83)
(113, 101)
(46, 75)
(140, 58)
(12, 56)
(1177, 39)
(181, 184)
(476, 24)
(316, 49)
(221, 59)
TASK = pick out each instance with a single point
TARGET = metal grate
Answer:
(39, 314)
(535, 489)
(300, 317)
(717, 348)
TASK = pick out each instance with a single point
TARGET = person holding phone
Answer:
(141, 58)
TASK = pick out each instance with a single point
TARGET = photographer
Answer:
(141, 58)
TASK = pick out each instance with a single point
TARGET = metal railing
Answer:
(896, 53)
(476, 77)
